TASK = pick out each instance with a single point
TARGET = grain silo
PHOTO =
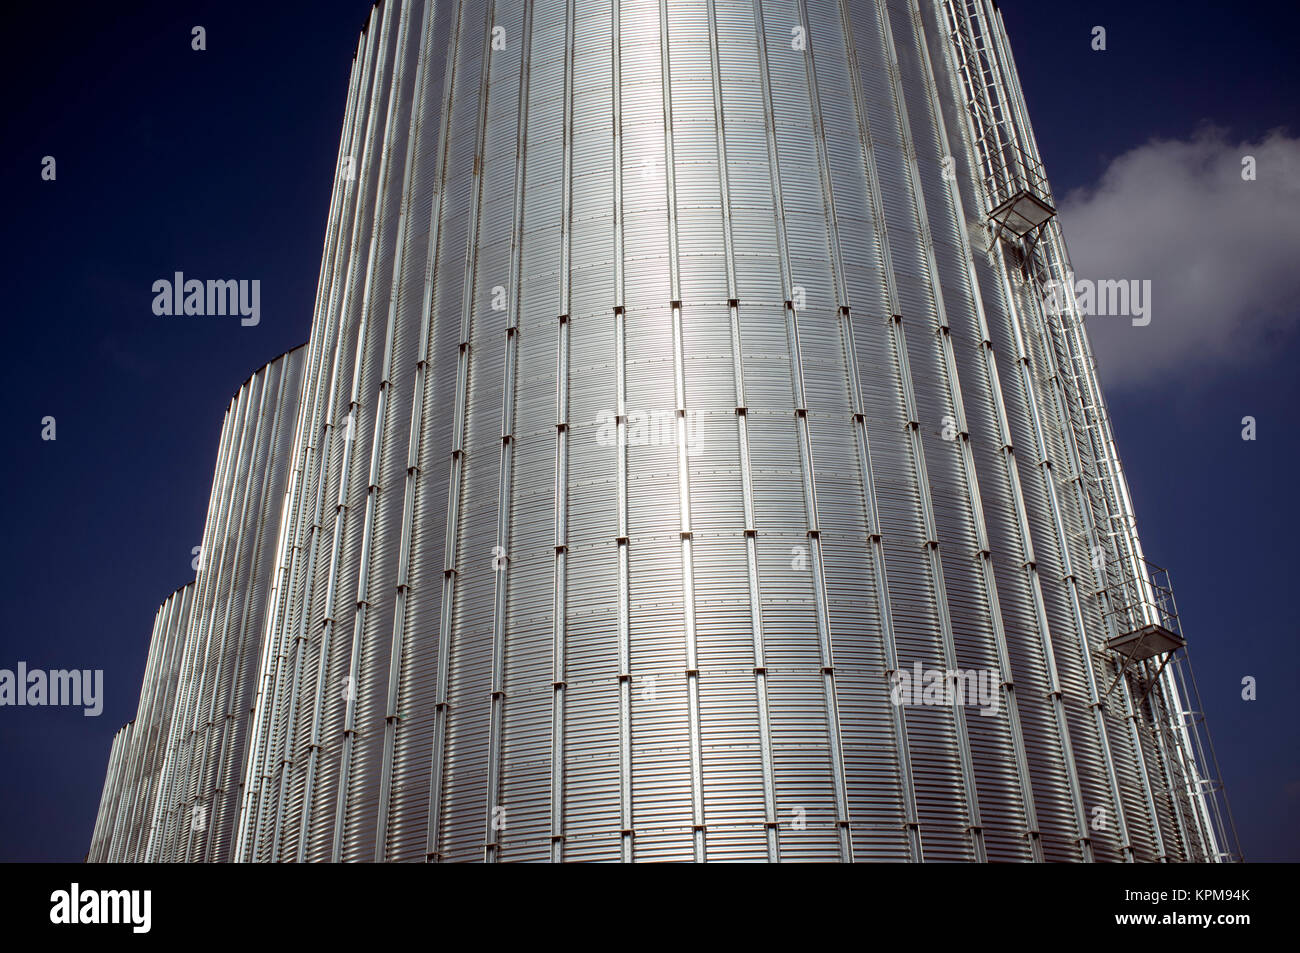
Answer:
(689, 467)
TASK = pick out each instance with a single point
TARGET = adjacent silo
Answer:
(110, 798)
(195, 807)
(135, 766)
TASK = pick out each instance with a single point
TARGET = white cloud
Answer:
(1222, 254)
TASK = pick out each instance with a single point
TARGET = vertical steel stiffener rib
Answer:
(496, 823)
(771, 824)
(683, 465)
(805, 452)
(620, 416)
(560, 567)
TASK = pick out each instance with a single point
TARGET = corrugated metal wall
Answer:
(665, 394)
(174, 781)
(110, 799)
(197, 805)
(136, 763)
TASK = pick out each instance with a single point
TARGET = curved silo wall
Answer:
(197, 803)
(135, 769)
(105, 820)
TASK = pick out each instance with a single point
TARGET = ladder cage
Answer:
(1017, 191)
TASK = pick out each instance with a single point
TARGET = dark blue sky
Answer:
(220, 163)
